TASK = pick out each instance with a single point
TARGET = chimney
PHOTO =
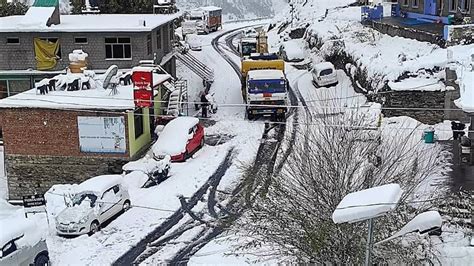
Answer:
(55, 18)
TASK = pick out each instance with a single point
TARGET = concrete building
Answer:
(70, 136)
(109, 39)
(438, 8)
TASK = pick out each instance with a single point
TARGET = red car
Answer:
(180, 138)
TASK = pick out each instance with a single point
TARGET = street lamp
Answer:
(367, 204)
(374, 202)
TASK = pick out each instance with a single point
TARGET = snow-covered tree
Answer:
(334, 155)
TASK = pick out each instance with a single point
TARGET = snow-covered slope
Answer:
(237, 9)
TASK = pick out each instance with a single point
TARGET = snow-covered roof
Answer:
(87, 23)
(100, 184)
(82, 99)
(94, 98)
(249, 40)
(266, 74)
(174, 137)
(418, 84)
(210, 8)
(368, 203)
(36, 16)
(323, 65)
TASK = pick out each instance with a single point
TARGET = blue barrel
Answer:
(429, 135)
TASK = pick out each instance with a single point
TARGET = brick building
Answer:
(109, 39)
(70, 136)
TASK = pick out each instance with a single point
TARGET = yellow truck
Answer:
(264, 86)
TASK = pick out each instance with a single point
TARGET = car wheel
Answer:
(42, 259)
(202, 143)
(186, 156)
(126, 205)
(94, 228)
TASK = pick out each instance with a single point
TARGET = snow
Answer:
(174, 137)
(466, 102)
(146, 164)
(35, 16)
(323, 66)
(422, 222)
(86, 23)
(74, 214)
(3, 178)
(210, 8)
(97, 98)
(100, 184)
(295, 49)
(418, 84)
(266, 74)
(77, 55)
(367, 204)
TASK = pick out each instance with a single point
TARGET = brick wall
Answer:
(21, 56)
(29, 131)
(42, 149)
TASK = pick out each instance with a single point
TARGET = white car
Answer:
(324, 75)
(99, 199)
(22, 243)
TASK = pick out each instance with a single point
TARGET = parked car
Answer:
(292, 50)
(180, 138)
(324, 75)
(99, 199)
(22, 244)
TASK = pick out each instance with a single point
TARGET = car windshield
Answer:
(84, 197)
(325, 72)
(249, 48)
(195, 18)
(267, 86)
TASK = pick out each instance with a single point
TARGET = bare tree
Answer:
(334, 154)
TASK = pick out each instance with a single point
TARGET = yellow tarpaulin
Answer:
(45, 54)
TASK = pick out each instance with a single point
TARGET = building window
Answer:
(415, 3)
(148, 44)
(452, 5)
(158, 39)
(138, 119)
(54, 40)
(80, 40)
(13, 40)
(118, 48)
(405, 2)
(465, 5)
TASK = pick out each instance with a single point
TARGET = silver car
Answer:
(324, 75)
(99, 199)
(21, 244)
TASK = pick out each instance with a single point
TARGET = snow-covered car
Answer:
(22, 243)
(98, 199)
(194, 42)
(324, 75)
(180, 138)
(250, 33)
(292, 50)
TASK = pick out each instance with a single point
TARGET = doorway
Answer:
(430, 7)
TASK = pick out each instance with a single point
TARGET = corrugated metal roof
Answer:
(46, 3)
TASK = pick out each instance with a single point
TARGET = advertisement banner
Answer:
(102, 134)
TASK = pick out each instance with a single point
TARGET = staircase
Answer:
(191, 62)
(178, 100)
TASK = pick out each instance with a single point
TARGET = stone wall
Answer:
(36, 174)
(415, 100)
(460, 34)
(410, 33)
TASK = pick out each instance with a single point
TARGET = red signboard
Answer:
(143, 98)
(142, 79)
(143, 88)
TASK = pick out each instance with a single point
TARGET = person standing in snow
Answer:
(204, 104)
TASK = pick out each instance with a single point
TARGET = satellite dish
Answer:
(111, 71)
